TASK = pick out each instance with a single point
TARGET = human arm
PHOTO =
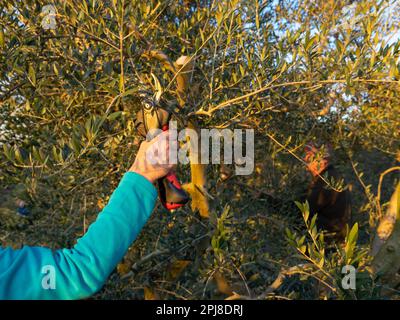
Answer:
(76, 273)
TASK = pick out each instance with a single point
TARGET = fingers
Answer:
(153, 160)
(161, 149)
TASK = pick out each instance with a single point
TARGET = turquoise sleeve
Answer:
(40, 273)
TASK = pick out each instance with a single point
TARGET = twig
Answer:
(295, 83)
(143, 260)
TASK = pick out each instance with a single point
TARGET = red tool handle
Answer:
(170, 190)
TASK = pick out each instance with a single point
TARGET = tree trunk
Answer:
(182, 68)
(386, 246)
(197, 187)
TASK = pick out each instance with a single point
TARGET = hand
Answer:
(152, 160)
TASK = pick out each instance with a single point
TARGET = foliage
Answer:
(294, 71)
(326, 262)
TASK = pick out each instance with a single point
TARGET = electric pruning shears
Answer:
(151, 116)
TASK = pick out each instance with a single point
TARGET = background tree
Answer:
(293, 71)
